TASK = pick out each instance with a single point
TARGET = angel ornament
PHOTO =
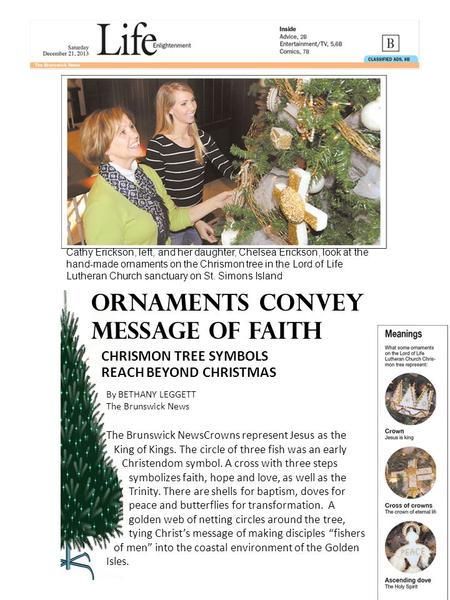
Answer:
(412, 557)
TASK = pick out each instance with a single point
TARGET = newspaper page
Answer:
(248, 318)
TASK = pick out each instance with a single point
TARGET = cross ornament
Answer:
(413, 477)
(299, 213)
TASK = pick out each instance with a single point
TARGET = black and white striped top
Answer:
(182, 176)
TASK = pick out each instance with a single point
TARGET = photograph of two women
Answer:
(223, 161)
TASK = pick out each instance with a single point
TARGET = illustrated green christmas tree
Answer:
(91, 494)
(319, 125)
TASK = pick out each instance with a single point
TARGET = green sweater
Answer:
(110, 219)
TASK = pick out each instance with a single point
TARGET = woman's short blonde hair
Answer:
(98, 131)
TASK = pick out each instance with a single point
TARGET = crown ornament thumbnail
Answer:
(410, 403)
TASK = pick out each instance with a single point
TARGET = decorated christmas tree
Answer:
(320, 138)
(91, 495)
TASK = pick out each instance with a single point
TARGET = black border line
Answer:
(63, 186)
(379, 326)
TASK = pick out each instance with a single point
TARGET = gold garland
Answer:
(357, 141)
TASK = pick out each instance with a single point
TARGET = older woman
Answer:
(128, 204)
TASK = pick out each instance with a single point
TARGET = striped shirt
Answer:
(182, 176)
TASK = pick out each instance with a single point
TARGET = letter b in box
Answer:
(390, 42)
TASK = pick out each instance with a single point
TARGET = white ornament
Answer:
(228, 237)
(371, 115)
(369, 184)
(289, 114)
(413, 557)
(302, 234)
(264, 192)
(291, 109)
(273, 101)
(316, 185)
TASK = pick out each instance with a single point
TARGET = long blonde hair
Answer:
(165, 99)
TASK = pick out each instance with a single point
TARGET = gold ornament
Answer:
(292, 201)
(281, 139)
(292, 206)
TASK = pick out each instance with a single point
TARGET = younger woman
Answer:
(179, 152)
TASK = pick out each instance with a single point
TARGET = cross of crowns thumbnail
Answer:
(412, 478)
